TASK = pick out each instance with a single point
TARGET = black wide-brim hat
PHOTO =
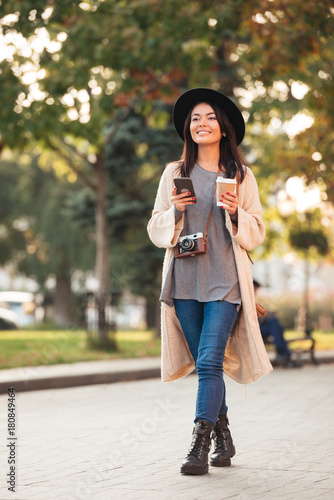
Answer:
(191, 97)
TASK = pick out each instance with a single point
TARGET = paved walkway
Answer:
(33, 378)
(127, 440)
(99, 372)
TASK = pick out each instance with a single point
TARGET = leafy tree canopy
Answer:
(71, 73)
(69, 65)
(37, 231)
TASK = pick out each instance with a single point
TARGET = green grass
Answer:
(323, 341)
(33, 348)
(20, 348)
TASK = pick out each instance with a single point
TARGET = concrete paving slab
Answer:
(128, 439)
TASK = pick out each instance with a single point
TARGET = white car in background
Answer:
(8, 319)
(17, 309)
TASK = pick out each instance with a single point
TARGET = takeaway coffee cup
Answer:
(223, 186)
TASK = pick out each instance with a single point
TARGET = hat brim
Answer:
(193, 96)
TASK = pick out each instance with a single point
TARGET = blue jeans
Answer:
(207, 327)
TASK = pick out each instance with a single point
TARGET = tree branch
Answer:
(82, 176)
(75, 152)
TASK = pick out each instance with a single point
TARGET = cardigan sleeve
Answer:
(163, 229)
(250, 231)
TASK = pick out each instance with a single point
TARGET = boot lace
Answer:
(197, 446)
(221, 440)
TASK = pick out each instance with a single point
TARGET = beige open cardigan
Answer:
(245, 357)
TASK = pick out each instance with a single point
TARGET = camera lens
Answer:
(187, 244)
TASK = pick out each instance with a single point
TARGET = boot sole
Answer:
(194, 471)
(222, 462)
(225, 462)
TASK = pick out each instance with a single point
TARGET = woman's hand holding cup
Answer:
(230, 201)
(226, 194)
(182, 200)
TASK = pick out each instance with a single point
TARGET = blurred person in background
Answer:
(271, 327)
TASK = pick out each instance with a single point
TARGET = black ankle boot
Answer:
(196, 462)
(224, 447)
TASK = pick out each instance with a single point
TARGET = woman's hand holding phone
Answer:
(182, 200)
(183, 193)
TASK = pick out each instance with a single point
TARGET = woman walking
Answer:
(209, 319)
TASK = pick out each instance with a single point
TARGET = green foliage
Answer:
(307, 235)
(116, 54)
(288, 44)
(151, 51)
(308, 239)
(38, 233)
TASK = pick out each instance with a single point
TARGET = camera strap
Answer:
(208, 222)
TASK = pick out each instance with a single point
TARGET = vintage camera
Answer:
(190, 245)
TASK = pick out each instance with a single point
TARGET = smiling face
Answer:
(204, 126)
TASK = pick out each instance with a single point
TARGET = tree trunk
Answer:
(64, 308)
(150, 312)
(303, 323)
(153, 314)
(102, 253)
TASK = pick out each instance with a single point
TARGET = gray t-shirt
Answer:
(213, 275)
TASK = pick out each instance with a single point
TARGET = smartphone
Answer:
(185, 184)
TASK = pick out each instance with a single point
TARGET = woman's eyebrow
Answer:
(207, 114)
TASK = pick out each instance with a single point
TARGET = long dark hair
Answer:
(230, 157)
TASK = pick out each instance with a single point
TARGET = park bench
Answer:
(307, 348)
